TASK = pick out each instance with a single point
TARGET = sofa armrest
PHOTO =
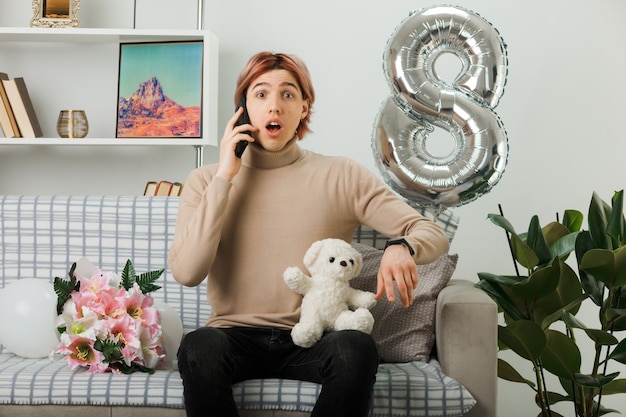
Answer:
(466, 338)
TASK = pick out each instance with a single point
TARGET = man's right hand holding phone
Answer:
(230, 163)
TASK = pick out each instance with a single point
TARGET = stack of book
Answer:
(163, 188)
(17, 115)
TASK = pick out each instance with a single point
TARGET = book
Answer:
(177, 188)
(22, 107)
(163, 188)
(150, 189)
(8, 124)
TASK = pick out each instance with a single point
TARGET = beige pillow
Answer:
(405, 334)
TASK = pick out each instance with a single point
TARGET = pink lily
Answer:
(80, 351)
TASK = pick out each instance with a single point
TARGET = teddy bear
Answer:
(329, 303)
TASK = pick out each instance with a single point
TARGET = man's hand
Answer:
(397, 265)
(229, 164)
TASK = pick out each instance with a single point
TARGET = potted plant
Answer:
(539, 306)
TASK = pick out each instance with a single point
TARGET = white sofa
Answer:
(41, 236)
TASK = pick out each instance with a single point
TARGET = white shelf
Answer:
(101, 141)
(86, 35)
(20, 49)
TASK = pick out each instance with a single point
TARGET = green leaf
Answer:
(594, 381)
(572, 321)
(564, 246)
(552, 232)
(599, 263)
(489, 283)
(557, 315)
(604, 411)
(616, 386)
(573, 220)
(620, 266)
(597, 221)
(540, 284)
(502, 222)
(615, 226)
(137, 367)
(507, 372)
(537, 242)
(523, 253)
(146, 281)
(64, 288)
(606, 266)
(501, 280)
(554, 398)
(567, 295)
(524, 337)
(616, 318)
(561, 356)
(593, 287)
(111, 350)
(128, 275)
(569, 386)
(619, 353)
(600, 337)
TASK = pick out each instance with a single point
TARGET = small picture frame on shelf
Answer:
(55, 13)
(160, 90)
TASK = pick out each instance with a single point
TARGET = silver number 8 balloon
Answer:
(422, 101)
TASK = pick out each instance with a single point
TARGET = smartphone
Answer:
(243, 119)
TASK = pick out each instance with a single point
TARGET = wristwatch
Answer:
(400, 241)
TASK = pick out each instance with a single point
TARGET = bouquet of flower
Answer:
(108, 324)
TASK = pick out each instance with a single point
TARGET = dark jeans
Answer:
(210, 360)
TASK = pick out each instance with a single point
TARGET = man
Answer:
(243, 221)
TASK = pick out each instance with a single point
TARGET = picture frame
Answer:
(55, 13)
(160, 90)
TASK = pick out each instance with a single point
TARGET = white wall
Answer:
(562, 108)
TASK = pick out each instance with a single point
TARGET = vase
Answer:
(72, 124)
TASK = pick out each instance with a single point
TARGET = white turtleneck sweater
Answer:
(242, 235)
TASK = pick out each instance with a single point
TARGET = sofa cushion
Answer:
(405, 334)
(402, 390)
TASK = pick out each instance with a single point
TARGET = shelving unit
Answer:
(85, 61)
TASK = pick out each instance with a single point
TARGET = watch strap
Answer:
(400, 241)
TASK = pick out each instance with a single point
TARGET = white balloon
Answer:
(172, 328)
(27, 318)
